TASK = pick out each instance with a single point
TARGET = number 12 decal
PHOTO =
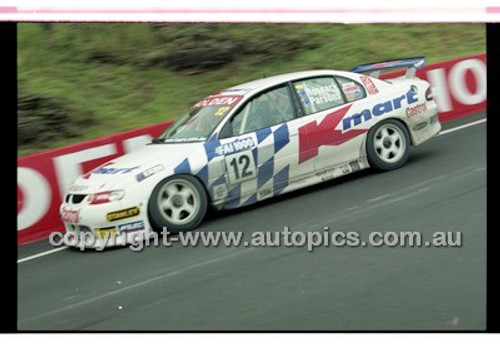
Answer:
(241, 166)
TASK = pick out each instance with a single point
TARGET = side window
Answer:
(318, 94)
(352, 90)
(265, 110)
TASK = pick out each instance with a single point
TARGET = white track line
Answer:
(41, 254)
(167, 275)
(462, 126)
(63, 248)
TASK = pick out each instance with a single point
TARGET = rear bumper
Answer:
(424, 126)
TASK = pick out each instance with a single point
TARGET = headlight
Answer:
(106, 197)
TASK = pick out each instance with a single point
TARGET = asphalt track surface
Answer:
(441, 188)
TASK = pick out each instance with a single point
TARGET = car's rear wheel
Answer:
(388, 145)
(178, 203)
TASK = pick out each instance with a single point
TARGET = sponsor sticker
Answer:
(301, 91)
(131, 227)
(370, 86)
(222, 111)
(123, 214)
(88, 174)
(70, 215)
(347, 85)
(353, 95)
(418, 109)
(105, 232)
(107, 170)
(378, 110)
(352, 91)
(220, 191)
(264, 193)
(326, 174)
(218, 101)
(148, 172)
(345, 168)
(235, 146)
(420, 126)
(382, 65)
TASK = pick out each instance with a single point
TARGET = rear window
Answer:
(352, 90)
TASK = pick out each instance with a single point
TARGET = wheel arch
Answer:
(373, 158)
(201, 180)
(401, 121)
(175, 175)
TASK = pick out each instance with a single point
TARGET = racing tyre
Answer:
(178, 203)
(388, 145)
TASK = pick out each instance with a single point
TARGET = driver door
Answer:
(259, 144)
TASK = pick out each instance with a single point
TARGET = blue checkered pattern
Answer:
(271, 174)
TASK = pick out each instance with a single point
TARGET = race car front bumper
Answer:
(104, 225)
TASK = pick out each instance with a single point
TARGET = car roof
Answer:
(267, 82)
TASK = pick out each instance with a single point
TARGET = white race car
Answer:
(255, 141)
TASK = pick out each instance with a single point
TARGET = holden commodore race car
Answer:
(254, 141)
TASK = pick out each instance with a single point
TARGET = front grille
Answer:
(75, 199)
(78, 198)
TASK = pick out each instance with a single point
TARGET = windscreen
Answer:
(200, 121)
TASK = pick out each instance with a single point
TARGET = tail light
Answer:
(428, 94)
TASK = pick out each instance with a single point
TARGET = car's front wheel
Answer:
(388, 145)
(178, 203)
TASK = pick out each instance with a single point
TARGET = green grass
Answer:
(53, 62)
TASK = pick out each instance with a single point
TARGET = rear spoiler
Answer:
(411, 65)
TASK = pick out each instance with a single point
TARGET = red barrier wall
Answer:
(459, 87)
(42, 177)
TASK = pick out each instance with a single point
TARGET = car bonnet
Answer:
(112, 173)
